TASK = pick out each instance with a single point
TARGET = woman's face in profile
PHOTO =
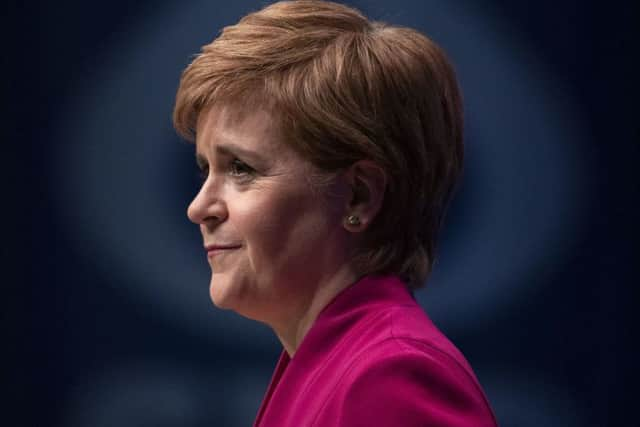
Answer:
(267, 230)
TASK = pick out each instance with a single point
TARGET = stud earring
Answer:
(353, 220)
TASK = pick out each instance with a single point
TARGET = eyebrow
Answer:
(229, 149)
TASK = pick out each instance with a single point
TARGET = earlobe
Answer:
(352, 223)
(367, 182)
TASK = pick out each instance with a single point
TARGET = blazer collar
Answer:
(338, 321)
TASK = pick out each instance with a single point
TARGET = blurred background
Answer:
(106, 314)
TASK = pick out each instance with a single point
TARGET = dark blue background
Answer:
(82, 348)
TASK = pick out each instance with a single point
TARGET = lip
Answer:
(217, 249)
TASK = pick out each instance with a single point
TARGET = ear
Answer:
(367, 182)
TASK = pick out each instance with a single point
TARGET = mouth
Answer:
(213, 250)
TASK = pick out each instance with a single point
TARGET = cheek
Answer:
(279, 229)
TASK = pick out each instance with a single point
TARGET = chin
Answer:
(222, 293)
(227, 294)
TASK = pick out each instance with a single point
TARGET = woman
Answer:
(329, 146)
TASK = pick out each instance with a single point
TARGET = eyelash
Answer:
(237, 169)
(203, 172)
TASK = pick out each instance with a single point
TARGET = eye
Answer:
(239, 168)
(203, 171)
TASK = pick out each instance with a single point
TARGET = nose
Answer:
(207, 208)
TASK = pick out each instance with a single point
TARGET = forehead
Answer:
(253, 128)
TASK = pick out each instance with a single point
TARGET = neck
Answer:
(291, 331)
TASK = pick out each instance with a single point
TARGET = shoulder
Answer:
(407, 331)
(408, 377)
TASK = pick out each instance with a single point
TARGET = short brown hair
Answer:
(344, 89)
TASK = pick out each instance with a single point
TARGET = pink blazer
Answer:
(374, 359)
